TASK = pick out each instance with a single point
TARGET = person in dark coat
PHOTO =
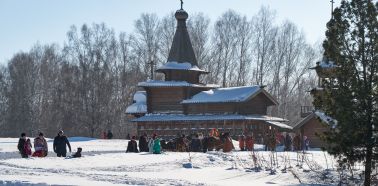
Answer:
(288, 142)
(60, 143)
(297, 142)
(132, 145)
(109, 135)
(143, 143)
(195, 144)
(21, 145)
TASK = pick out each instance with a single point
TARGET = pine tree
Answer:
(351, 96)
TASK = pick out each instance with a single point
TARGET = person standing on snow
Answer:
(249, 143)
(21, 145)
(40, 146)
(195, 145)
(109, 135)
(60, 143)
(242, 143)
(151, 144)
(143, 143)
(228, 145)
(156, 145)
(288, 142)
(132, 145)
(306, 143)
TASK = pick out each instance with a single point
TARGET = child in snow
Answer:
(77, 153)
(28, 147)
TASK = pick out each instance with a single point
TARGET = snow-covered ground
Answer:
(105, 162)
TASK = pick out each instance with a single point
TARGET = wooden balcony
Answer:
(306, 110)
(325, 70)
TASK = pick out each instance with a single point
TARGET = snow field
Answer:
(106, 163)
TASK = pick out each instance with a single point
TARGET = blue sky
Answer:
(26, 22)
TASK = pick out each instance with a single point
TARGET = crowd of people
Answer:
(25, 147)
(151, 145)
(60, 144)
(182, 143)
(296, 143)
(107, 135)
(154, 145)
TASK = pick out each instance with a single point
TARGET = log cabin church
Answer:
(181, 104)
(315, 122)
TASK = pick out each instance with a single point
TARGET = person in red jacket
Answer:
(250, 143)
(228, 146)
(242, 142)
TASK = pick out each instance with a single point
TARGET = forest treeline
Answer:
(84, 86)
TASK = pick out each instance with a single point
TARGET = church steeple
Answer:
(181, 64)
(181, 49)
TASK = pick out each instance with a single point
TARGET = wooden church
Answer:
(181, 104)
(314, 122)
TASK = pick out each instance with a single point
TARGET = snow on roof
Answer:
(205, 117)
(140, 96)
(173, 65)
(158, 83)
(280, 125)
(232, 94)
(319, 114)
(326, 118)
(327, 64)
(137, 108)
(181, 117)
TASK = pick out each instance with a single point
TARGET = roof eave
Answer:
(303, 121)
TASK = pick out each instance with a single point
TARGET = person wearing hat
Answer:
(60, 142)
(132, 145)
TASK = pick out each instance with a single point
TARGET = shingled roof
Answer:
(181, 49)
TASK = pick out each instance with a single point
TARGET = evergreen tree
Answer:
(350, 96)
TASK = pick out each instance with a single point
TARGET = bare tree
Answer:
(224, 40)
(167, 30)
(95, 52)
(146, 42)
(264, 42)
(22, 92)
(244, 34)
(85, 87)
(4, 84)
(198, 28)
